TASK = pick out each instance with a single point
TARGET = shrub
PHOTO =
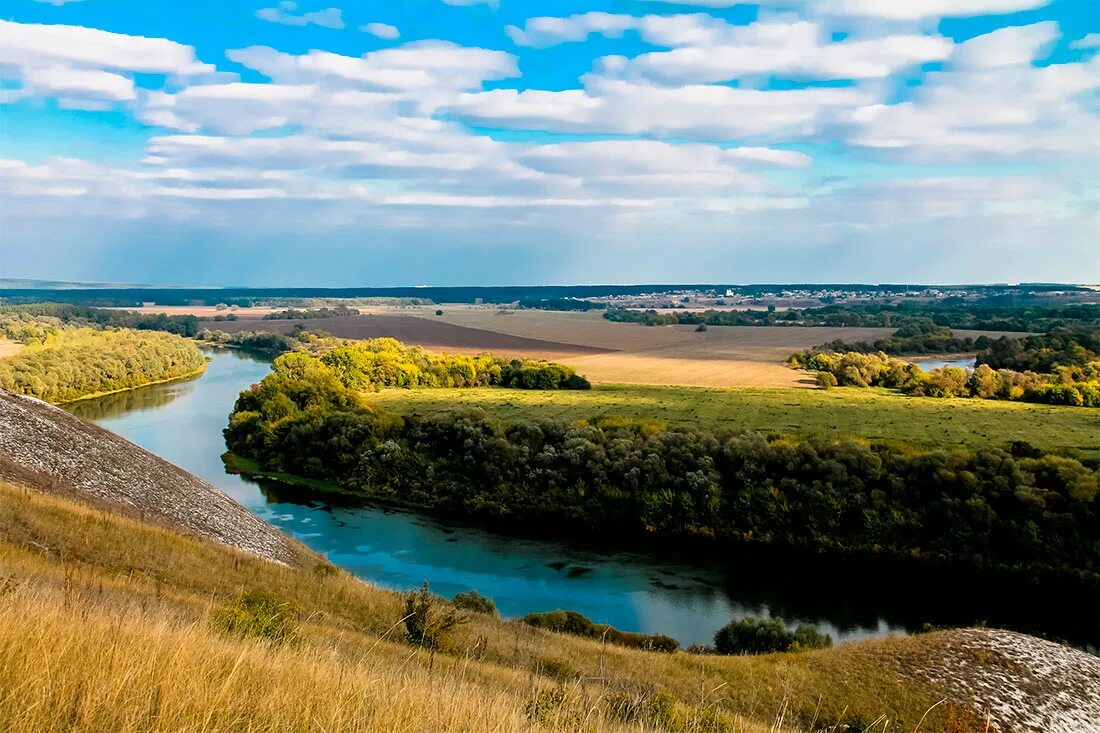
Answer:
(826, 380)
(474, 601)
(751, 635)
(544, 704)
(701, 327)
(571, 622)
(429, 621)
(257, 614)
(557, 669)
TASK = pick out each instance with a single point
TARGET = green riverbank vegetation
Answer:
(1014, 507)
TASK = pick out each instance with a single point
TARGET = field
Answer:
(105, 628)
(432, 334)
(601, 350)
(861, 413)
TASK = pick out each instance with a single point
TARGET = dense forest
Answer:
(1061, 347)
(975, 316)
(71, 363)
(295, 314)
(921, 336)
(1077, 386)
(1011, 507)
(561, 304)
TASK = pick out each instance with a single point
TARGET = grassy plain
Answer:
(860, 413)
(103, 626)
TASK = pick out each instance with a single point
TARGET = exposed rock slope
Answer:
(49, 449)
(1022, 683)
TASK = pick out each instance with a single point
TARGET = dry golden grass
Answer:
(8, 347)
(103, 626)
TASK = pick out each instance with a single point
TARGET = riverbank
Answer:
(191, 375)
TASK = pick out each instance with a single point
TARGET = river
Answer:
(687, 597)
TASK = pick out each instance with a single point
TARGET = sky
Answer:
(477, 142)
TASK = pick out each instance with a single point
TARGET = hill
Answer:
(47, 448)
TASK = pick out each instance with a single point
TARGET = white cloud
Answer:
(707, 49)
(702, 3)
(798, 48)
(548, 31)
(1092, 40)
(909, 10)
(285, 14)
(697, 111)
(991, 102)
(381, 30)
(37, 45)
(60, 81)
(419, 65)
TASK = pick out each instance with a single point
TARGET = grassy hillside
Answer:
(848, 412)
(104, 625)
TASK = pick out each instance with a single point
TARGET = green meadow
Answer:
(846, 412)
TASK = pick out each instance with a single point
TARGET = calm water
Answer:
(685, 597)
(967, 363)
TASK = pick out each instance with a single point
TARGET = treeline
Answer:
(386, 362)
(916, 338)
(1065, 346)
(77, 315)
(1062, 346)
(262, 341)
(576, 624)
(1072, 386)
(293, 314)
(560, 304)
(705, 318)
(1011, 508)
(974, 316)
(75, 363)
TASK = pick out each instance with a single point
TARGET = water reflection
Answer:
(652, 588)
(122, 403)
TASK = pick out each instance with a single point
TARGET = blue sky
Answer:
(563, 141)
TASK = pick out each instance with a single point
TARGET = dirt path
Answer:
(7, 347)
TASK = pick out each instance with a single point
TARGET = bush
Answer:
(258, 614)
(826, 380)
(571, 622)
(557, 669)
(474, 601)
(751, 635)
(701, 328)
(544, 705)
(429, 621)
